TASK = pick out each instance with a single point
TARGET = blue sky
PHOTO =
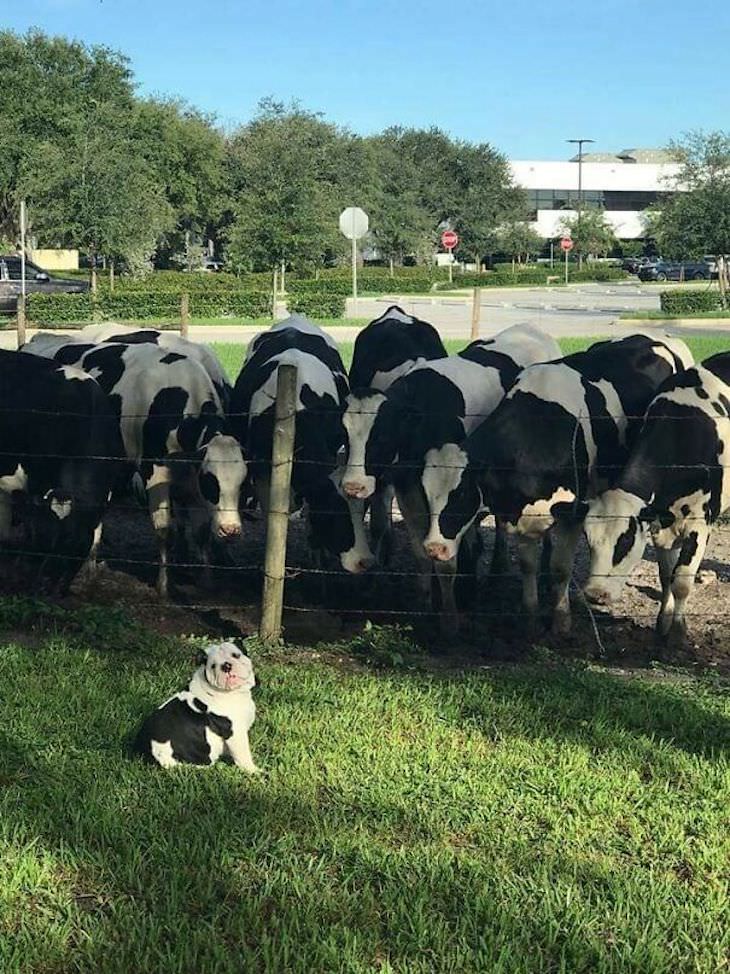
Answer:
(523, 75)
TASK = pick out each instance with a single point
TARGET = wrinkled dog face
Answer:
(228, 668)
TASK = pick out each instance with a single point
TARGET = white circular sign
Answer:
(354, 222)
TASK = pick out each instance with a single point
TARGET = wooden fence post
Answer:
(184, 314)
(20, 320)
(277, 519)
(476, 307)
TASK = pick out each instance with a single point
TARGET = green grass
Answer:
(233, 354)
(532, 819)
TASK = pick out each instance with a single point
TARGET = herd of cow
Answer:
(623, 442)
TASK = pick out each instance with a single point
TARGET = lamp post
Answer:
(580, 143)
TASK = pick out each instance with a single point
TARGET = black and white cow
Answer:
(563, 431)
(335, 521)
(60, 449)
(674, 487)
(125, 335)
(385, 350)
(410, 437)
(390, 346)
(175, 433)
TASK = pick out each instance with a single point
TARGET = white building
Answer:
(622, 185)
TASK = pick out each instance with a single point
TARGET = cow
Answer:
(563, 431)
(386, 349)
(410, 435)
(175, 434)
(390, 346)
(60, 449)
(335, 521)
(673, 488)
(124, 334)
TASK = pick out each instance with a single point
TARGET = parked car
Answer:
(677, 270)
(634, 264)
(36, 280)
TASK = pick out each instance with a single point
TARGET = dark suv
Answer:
(677, 270)
(36, 280)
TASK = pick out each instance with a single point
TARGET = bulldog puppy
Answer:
(211, 718)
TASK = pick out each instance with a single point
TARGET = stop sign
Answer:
(450, 239)
(566, 243)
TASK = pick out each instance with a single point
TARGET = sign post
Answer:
(354, 224)
(450, 240)
(567, 245)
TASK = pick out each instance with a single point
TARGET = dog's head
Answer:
(228, 668)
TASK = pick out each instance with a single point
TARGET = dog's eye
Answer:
(236, 655)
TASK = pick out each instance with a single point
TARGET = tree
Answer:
(591, 232)
(518, 239)
(696, 221)
(96, 191)
(284, 188)
(485, 200)
(49, 85)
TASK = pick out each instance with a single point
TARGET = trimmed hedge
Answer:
(686, 302)
(317, 305)
(533, 277)
(367, 284)
(47, 309)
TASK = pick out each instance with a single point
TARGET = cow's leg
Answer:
(157, 486)
(565, 538)
(500, 554)
(528, 547)
(91, 565)
(688, 563)
(415, 517)
(667, 560)
(6, 516)
(381, 524)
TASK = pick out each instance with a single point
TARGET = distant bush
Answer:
(131, 305)
(687, 302)
(317, 305)
(534, 276)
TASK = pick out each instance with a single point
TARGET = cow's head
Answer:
(337, 526)
(369, 445)
(616, 525)
(221, 473)
(453, 498)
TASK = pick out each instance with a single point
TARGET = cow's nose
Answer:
(597, 594)
(227, 667)
(232, 530)
(365, 564)
(353, 489)
(437, 550)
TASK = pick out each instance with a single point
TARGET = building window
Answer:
(607, 199)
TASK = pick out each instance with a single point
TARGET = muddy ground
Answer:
(328, 607)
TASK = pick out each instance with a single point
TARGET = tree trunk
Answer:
(93, 275)
(392, 269)
(111, 274)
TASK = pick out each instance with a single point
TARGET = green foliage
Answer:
(591, 232)
(316, 304)
(134, 305)
(517, 238)
(366, 284)
(534, 275)
(679, 302)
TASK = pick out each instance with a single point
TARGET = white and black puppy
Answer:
(211, 718)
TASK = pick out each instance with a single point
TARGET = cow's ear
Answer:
(653, 515)
(573, 512)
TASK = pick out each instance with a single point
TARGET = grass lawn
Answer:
(232, 354)
(536, 818)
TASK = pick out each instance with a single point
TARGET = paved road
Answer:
(587, 309)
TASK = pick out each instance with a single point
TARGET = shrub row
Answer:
(342, 285)
(317, 305)
(49, 309)
(686, 302)
(532, 277)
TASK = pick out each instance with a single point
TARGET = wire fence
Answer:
(237, 577)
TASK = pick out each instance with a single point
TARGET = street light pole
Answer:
(580, 143)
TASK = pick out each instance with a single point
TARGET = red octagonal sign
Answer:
(566, 243)
(450, 239)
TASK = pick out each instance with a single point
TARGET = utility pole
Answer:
(580, 143)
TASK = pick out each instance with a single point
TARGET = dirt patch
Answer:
(325, 605)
